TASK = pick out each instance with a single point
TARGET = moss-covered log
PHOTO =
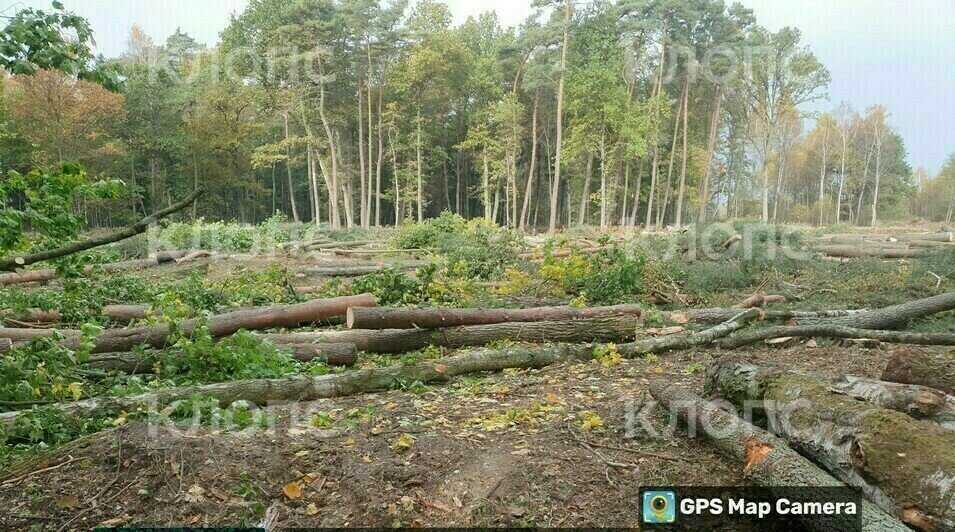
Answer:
(762, 458)
(917, 401)
(910, 367)
(904, 465)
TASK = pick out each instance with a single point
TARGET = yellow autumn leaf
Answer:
(403, 443)
(293, 490)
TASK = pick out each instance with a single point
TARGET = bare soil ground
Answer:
(495, 450)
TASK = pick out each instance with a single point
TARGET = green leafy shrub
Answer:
(243, 355)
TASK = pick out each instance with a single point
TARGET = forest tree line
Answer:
(362, 113)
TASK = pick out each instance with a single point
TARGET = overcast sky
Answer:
(895, 52)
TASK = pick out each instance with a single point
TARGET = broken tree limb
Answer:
(719, 315)
(157, 336)
(272, 391)
(904, 465)
(433, 318)
(911, 367)
(686, 341)
(837, 331)
(764, 459)
(17, 261)
(32, 276)
(762, 300)
(919, 402)
(125, 313)
(605, 329)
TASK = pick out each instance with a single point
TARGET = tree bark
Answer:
(836, 331)
(682, 193)
(927, 237)
(910, 367)
(10, 263)
(532, 165)
(134, 363)
(433, 318)
(710, 150)
(903, 465)
(878, 252)
(362, 269)
(919, 402)
(763, 459)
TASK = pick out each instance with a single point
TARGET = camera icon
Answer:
(659, 507)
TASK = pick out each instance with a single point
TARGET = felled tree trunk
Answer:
(931, 237)
(35, 315)
(919, 402)
(836, 331)
(157, 336)
(132, 363)
(911, 367)
(141, 226)
(764, 459)
(687, 341)
(48, 275)
(125, 313)
(904, 465)
(362, 269)
(433, 318)
(6, 345)
(273, 391)
(606, 329)
(885, 252)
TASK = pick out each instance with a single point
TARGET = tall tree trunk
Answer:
(362, 188)
(288, 168)
(381, 160)
(710, 149)
(585, 196)
(487, 185)
(662, 205)
(394, 165)
(603, 179)
(626, 194)
(555, 190)
(682, 194)
(532, 164)
(195, 183)
(636, 195)
(822, 176)
(842, 180)
(419, 158)
(878, 177)
(333, 154)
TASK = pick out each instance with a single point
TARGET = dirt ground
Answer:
(507, 449)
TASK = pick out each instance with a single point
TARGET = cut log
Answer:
(157, 336)
(933, 237)
(606, 329)
(433, 318)
(35, 315)
(133, 363)
(331, 354)
(538, 255)
(763, 459)
(836, 331)
(916, 401)
(911, 367)
(339, 245)
(34, 276)
(719, 315)
(125, 313)
(884, 252)
(6, 345)
(762, 300)
(362, 269)
(904, 465)
(306, 243)
(18, 261)
(381, 251)
(272, 391)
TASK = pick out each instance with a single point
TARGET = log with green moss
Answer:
(904, 465)
(763, 459)
(912, 367)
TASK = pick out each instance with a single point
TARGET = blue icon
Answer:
(659, 507)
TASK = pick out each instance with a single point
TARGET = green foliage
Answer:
(34, 39)
(243, 355)
(43, 371)
(610, 276)
(223, 236)
(41, 427)
(477, 248)
(49, 197)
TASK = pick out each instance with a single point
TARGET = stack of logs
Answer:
(892, 439)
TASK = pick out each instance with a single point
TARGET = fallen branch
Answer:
(763, 458)
(362, 269)
(837, 331)
(919, 402)
(903, 465)
(9, 263)
(884, 252)
(433, 318)
(926, 237)
(686, 341)
(910, 367)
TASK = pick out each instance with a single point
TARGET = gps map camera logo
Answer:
(659, 507)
